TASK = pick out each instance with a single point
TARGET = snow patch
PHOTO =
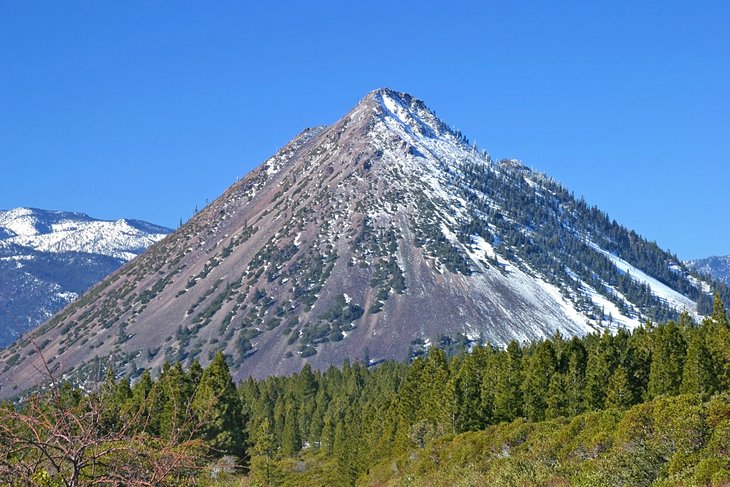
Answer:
(673, 298)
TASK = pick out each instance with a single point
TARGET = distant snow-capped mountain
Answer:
(48, 258)
(63, 231)
(717, 267)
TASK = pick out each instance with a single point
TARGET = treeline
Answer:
(547, 227)
(332, 427)
(352, 418)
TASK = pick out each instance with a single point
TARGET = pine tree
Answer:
(668, 354)
(638, 362)
(264, 465)
(217, 406)
(466, 391)
(111, 402)
(329, 426)
(557, 398)
(305, 388)
(577, 358)
(508, 379)
(602, 361)
(291, 440)
(342, 451)
(142, 405)
(698, 376)
(618, 393)
(719, 315)
(410, 392)
(436, 398)
(178, 392)
(195, 373)
(537, 371)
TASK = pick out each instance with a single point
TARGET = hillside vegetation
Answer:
(644, 408)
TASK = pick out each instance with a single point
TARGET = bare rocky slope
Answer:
(368, 239)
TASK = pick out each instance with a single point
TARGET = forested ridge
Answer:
(648, 407)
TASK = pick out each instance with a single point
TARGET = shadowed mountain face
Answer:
(369, 239)
(48, 258)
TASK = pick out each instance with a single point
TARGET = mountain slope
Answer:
(717, 267)
(371, 238)
(48, 258)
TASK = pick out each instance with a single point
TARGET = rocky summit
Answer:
(370, 239)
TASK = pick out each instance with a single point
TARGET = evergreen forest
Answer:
(640, 408)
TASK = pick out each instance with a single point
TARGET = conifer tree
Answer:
(279, 418)
(575, 377)
(466, 391)
(217, 406)
(557, 396)
(638, 361)
(110, 419)
(717, 331)
(329, 426)
(142, 404)
(618, 393)
(177, 394)
(508, 379)
(264, 465)
(668, 354)
(342, 451)
(537, 372)
(719, 315)
(436, 398)
(698, 376)
(602, 361)
(195, 373)
(409, 394)
(291, 440)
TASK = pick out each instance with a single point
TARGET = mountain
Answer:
(48, 258)
(716, 267)
(370, 239)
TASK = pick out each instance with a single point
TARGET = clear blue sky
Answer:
(146, 109)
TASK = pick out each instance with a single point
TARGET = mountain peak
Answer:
(404, 109)
(376, 236)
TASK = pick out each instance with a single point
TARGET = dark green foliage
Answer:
(668, 356)
(698, 375)
(334, 426)
(538, 368)
(358, 417)
(506, 383)
(618, 393)
(603, 358)
(217, 404)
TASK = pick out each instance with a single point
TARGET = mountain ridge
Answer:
(717, 266)
(49, 257)
(370, 239)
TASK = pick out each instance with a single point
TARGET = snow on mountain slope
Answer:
(717, 267)
(673, 298)
(48, 258)
(57, 231)
(374, 236)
